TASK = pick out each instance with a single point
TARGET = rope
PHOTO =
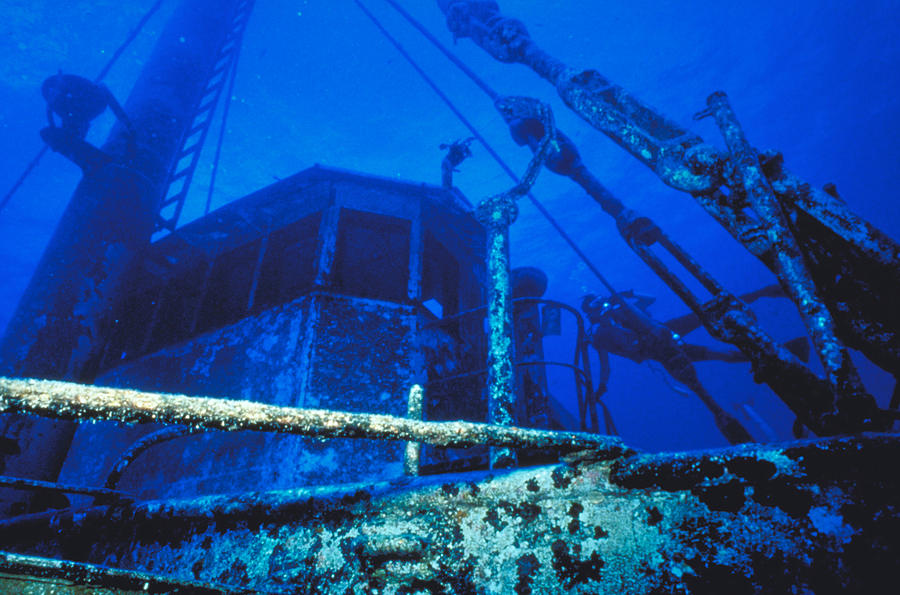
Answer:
(450, 55)
(116, 55)
(131, 37)
(28, 169)
(493, 95)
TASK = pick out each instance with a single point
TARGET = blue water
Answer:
(318, 84)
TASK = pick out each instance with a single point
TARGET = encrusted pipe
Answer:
(68, 400)
(497, 213)
(138, 448)
(501, 379)
(19, 483)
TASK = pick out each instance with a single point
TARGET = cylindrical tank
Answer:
(531, 380)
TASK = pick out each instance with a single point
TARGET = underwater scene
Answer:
(449, 296)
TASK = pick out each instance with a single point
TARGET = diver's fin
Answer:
(769, 291)
(799, 430)
(747, 409)
(799, 347)
(608, 420)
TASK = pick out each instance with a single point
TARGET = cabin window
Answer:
(178, 307)
(228, 290)
(288, 267)
(440, 279)
(372, 256)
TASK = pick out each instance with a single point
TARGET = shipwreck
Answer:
(337, 384)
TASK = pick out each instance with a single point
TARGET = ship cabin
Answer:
(329, 289)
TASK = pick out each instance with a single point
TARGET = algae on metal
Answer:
(497, 213)
(810, 516)
(66, 400)
(852, 262)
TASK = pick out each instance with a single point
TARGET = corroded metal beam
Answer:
(67, 400)
(790, 268)
(34, 485)
(725, 317)
(853, 264)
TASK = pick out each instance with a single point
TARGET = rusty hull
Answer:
(801, 517)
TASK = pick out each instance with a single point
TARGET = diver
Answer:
(622, 325)
(76, 101)
(457, 152)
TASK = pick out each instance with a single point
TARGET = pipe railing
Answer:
(68, 400)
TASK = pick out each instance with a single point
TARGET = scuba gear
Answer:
(622, 326)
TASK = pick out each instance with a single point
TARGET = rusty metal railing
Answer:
(69, 400)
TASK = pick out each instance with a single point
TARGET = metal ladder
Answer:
(185, 164)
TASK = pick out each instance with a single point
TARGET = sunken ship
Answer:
(337, 384)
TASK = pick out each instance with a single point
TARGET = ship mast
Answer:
(60, 325)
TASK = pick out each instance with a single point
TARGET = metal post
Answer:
(414, 406)
(497, 213)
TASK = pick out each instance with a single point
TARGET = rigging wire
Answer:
(131, 37)
(223, 125)
(21, 180)
(493, 94)
(135, 31)
(443, 49)
(607, 415)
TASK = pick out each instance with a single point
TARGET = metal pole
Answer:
(497, 213)
(414, 405)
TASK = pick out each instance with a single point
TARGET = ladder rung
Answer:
(190, 153)
(204, 122)
(215, 79)
(180, 174)
(197, 128)
(188, 150)
(221, 65)
(211, 92)
(206, 106)
(175, 198)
